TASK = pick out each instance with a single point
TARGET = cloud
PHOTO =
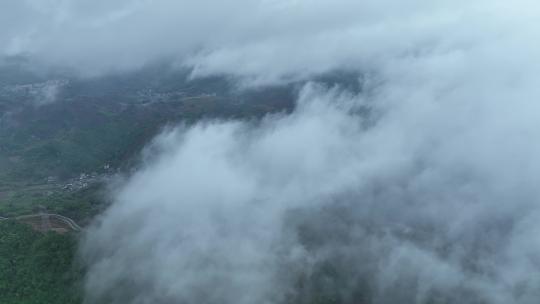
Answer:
(421, 187)
(260, 41)
(233, 185)
(317, 205)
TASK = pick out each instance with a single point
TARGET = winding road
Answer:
(45, 220)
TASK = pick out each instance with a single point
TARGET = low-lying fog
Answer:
(421, 187)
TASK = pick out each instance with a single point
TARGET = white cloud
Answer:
(261, 40)
(436, 197)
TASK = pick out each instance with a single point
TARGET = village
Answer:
(83, 181)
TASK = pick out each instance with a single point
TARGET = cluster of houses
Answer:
(83, 181)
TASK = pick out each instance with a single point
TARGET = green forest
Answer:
(37, 268)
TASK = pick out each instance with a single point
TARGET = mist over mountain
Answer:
(295, 151)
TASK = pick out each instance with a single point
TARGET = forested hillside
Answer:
(37, 268)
